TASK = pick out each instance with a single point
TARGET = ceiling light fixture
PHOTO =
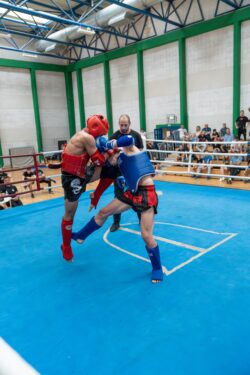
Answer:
(26, 54)
(5, 35)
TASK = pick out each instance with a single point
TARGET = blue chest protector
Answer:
(134, 167)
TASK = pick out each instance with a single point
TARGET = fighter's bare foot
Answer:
(80, 242)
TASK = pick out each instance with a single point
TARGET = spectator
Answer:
(197, 132)
(228, 137)
(200, 167)
(3, 175)
(201, 147)
(234, 160)
(29, 178)
(223, 130)
(247, 171)
(241, 122)
(182, 156)
(152, 154)
(207, 132)
(182, 132)
(216, 147)
(10, 189)
(43, 179)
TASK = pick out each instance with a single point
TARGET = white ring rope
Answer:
(199, 163)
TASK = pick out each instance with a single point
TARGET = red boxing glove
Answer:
(98, 159)
(115, 150)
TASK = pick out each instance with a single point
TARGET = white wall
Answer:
(124, 90)
(93, 89)
(17, 122)
(209, 61)
(53, 108)
(161, 81)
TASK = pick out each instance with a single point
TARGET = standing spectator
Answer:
(207, 132)
(125, 129)
(223, 130)
(241, 125)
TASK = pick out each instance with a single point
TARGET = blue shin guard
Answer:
(89, 228)
(154, 256)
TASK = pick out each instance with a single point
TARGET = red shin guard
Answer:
(66, 227)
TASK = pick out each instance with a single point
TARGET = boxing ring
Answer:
(101, 315)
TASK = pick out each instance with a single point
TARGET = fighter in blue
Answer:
(138, 193)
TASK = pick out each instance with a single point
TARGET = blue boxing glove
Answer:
(121, 183)
(103, 144)
(125, 141)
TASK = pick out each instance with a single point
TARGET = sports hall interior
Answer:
(165, 64)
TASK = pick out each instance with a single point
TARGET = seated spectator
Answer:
(228, 137)
(201, 147)
(182, 157)
(10, 189)
(197, 131)
(201, 168)
(2, 201)
(232, 171)
(44, 180)
(207, 132)
(152, 154)
(223, 130)
(247, 171)
(216, 147)
(182, 132)
(29, 177)
(3, 175)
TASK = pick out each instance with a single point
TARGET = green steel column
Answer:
(108, 95)
(141, 90)
(1, 154)
(183, 82)
(70, 103)
(36, 110)
(80, 97)
(236, 72)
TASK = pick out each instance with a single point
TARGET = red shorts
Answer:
(142, 200)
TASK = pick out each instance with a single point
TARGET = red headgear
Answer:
(97, 125)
